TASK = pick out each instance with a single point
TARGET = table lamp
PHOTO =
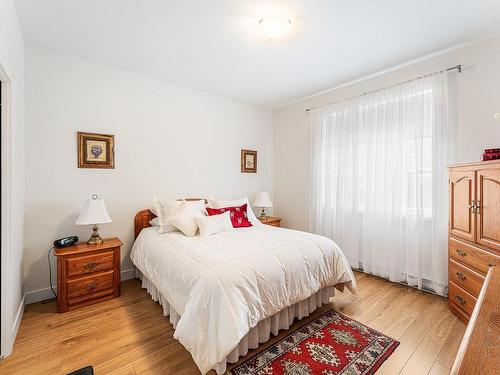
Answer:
(93, 212)
(263, 200)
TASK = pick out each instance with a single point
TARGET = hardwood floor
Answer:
(130, 335)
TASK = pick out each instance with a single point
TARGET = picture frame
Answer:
(248, 161)
(96, 150)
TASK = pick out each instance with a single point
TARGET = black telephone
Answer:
(61, 242)
(66, 241)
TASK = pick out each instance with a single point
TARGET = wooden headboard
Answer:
(142, 218)
(141, 221)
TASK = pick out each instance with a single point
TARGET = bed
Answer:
(227, 293)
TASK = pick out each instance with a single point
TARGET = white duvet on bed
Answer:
(223, 285)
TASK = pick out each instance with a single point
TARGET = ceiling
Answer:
(214, 45)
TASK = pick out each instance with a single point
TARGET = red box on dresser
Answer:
(491, 154)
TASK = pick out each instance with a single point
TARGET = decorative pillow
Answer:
(234, 203)
(238, 215)
(214, 224)
(165, 209)
(184, 219)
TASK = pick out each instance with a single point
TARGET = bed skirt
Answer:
(262, 331)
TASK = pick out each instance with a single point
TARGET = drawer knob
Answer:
(91, 265)
(460, 300)
(461, 253)
(91, 285)
(461, 276)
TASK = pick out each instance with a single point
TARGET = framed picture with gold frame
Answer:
(248, 161)
(96, 150)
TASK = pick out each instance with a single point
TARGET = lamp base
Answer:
(263, 215)
(95, 238)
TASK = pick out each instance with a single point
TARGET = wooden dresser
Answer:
(87, 274)
(474, 231)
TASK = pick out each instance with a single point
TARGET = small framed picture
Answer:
(96, 150)
(248, 161)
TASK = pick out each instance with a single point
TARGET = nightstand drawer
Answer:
(89, 285)
(83, 265)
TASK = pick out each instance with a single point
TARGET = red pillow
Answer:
(239, 217)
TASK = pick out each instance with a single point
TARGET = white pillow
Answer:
(197, 205)
(234, 203)
(154, 222)
(184, 219)
(214, 224)
(164, 209)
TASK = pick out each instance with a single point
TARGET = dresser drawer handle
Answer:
(460, 300)
(461, 253)
(91, 265)
(473, 207)
(91, 285)
(461, 276)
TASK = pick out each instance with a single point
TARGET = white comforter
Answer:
(223, 285)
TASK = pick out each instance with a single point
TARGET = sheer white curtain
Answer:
(379, 180)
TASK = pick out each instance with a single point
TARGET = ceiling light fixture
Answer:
(275, 26)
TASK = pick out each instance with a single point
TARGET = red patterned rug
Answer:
(330, 344)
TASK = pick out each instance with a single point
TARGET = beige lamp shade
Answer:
(93, 212)
(263, 200)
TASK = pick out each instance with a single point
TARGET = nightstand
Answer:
(270, 220)
(87, 274)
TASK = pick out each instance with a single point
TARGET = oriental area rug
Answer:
(328, 345)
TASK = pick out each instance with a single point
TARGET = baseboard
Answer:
(127, 274)
(19, 317)
(15, 329)
(411, 281)
(45, 293)
(39, 295)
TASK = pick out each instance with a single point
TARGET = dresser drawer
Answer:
(466, 278)
(472, 256)
(461, 298)
(83, 265)
(88, 285)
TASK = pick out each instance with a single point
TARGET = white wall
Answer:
(170, 141)
(12, 66)
(478, 99)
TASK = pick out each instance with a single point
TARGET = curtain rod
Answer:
(456, 67)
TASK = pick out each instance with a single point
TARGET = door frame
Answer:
(7, 330)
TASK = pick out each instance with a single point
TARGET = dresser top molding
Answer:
(476, 165)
